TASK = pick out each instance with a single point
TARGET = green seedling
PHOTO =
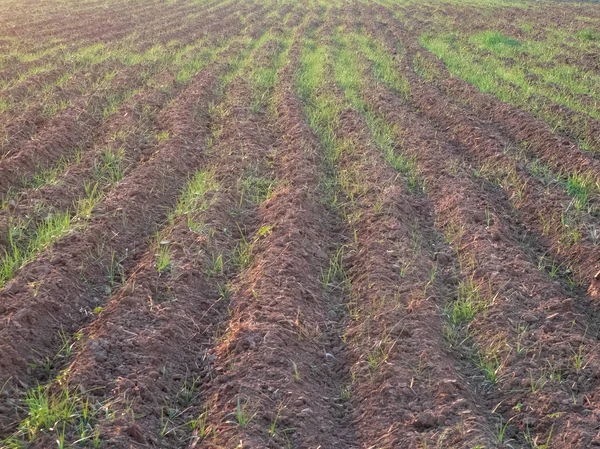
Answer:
(335, 277)
(490, 366)
(109, 166)
(273, 426)
(296, 372)
(163, 257)
(536, 384)
(244, 414)
(200, 425)
(22, 248)
(86, 204)
(215, 267)
(468, 303)
(255, 188)
(502, 427)
(533, 441)
(115, 272)
(578, 358)
(242, 254)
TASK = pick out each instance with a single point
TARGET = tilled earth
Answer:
(312, 294)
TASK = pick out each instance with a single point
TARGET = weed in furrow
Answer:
(270, 330)
(60, 62)
(100, 100)
(518, 126)
(545, 208)
(549, 94)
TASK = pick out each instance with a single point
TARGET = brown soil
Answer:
(270, 352)
(417, 392)
(279, 307)
(166, 316)
(131, 130)
(86, 102)
(71, 280)
(501, 251)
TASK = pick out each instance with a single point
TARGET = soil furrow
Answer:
(169, 319)
(243, 224)
(198, 245)
(520, 126)
(68, 283)
(130, 135)
(117, 22)
(80, 94)
(489, 146)
(537, 203)
(536, 314)
(406, 389)
(113, 33)
(74, 278)
(77, 126)
(276, 358)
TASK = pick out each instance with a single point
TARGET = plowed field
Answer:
(299, 224)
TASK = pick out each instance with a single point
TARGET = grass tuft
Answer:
(23, 248)
(468, 303)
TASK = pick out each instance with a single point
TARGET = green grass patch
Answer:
(583, 188)
(22, 248)
(467, 305)
(385, 69)
(109, 166)
(588, 34)
(255, 188)
(58, 413)
(527, 74)
(496, 42)
(195, 197)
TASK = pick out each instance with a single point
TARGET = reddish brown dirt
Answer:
(520, 126)
(125, 323)
(455, 209)
(478, 138)
(487, 141)
(536, 201)
(417, 393)
(86, 104)
(158, 315)
(369, 359)
(280, 312)
(498, 259)
(71, 278)
(132, 130)
(86, 35)
(76, 270)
